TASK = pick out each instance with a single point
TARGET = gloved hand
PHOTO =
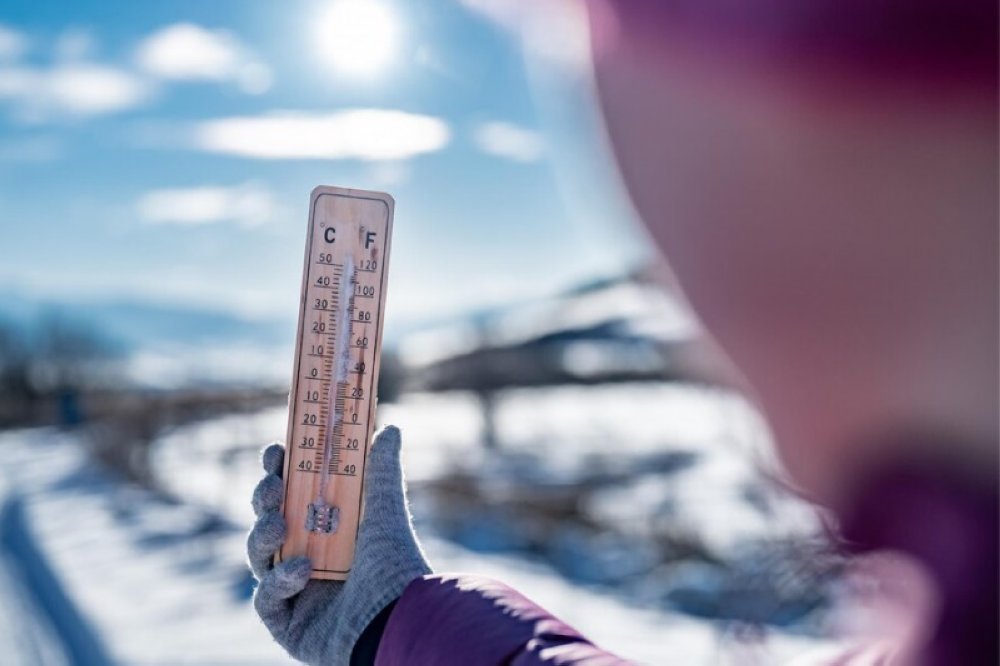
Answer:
(319, 621)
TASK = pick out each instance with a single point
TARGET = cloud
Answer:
(249, 204)
(13, 44)
(189, 52)
(363, 134)
(72, 85)
(71, 89)
(509, 141)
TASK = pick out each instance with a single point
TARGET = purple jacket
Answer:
(481, 621)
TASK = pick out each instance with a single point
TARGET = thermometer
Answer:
(331, 412)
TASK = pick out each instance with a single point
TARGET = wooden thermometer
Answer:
(331, 412)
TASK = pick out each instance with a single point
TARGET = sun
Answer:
(357, 37)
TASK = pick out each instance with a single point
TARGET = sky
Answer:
(166, 151)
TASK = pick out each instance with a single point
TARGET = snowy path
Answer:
(26, 635)
(43, 602)
(158, 585)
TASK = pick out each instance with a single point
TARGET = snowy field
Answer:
(161, 580)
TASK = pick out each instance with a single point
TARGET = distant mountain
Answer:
(133, 325)
(613, 329)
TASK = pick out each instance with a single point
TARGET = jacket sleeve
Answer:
(466, 619)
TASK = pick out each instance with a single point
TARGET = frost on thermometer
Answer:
(323, 517)
(332, 403)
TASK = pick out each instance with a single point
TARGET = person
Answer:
(821, 176)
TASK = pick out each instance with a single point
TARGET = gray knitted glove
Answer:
(319, 621)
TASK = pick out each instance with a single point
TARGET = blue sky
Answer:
(166, 151)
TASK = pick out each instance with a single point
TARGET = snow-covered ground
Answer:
(157, 583)
(162, 581)
(568, 427)
(217, 463)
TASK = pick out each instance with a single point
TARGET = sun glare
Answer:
(357, 37)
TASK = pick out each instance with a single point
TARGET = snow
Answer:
(634, 307)
(25, 637)
(570, 427)
(564, 426)
(157, 590)
(163, 579)
(643, 307)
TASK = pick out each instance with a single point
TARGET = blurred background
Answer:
(566, 429)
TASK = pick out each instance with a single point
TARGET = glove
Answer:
(319, 621)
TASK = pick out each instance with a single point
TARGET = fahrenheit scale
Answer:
(331, 414)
